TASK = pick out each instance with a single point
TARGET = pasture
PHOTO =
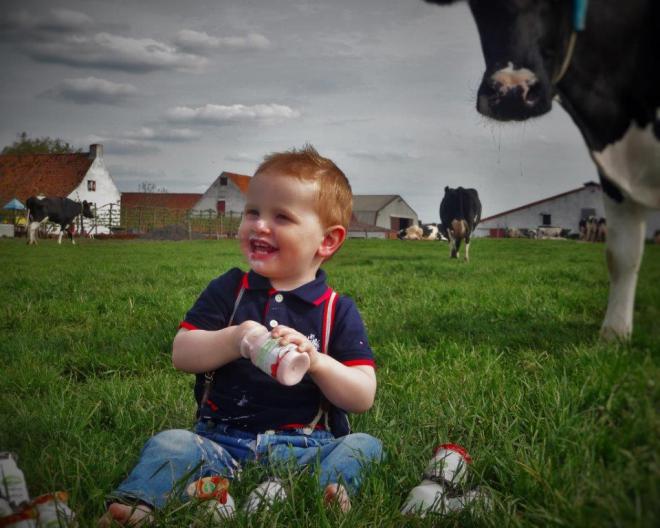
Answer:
(500, 355)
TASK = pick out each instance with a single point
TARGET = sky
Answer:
(178, 92)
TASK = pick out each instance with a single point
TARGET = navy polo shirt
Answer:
(244, 397)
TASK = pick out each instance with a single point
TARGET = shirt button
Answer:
(273, 323)
(279, 297)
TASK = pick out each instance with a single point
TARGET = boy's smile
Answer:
(281, 231)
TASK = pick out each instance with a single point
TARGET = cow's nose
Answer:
(518, 80)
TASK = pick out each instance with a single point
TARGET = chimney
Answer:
(95, 151)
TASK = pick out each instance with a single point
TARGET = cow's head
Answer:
(87, 209)
(524, 43)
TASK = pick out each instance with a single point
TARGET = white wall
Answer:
(397, 208)
(565, 212)
(106, 193)
(230, 193)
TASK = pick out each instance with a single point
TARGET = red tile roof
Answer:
(25, 175)
(240, 180)
(168, 200)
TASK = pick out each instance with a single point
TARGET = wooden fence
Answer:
(175, 222)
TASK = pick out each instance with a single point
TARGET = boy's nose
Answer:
(260, 226)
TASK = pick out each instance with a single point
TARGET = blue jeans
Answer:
(172, 459)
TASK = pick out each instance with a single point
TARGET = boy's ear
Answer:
(332, 240)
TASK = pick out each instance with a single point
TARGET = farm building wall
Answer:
(396, 209)
(565, 212)
(230, 193)
(98, 188)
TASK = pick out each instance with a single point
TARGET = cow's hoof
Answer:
(615, 335)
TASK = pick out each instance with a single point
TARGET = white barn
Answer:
(563, 211)
(226, 195)
(388, 211)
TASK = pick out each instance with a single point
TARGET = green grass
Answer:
(500, 355)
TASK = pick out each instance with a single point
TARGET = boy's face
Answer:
(281, 231)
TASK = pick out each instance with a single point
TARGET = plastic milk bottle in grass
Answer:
(284, 363)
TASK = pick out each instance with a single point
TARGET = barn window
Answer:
(546, 219)
(91, 185)
(223, 181)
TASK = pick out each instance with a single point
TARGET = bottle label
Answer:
(269, 356)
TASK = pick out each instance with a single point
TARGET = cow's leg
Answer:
(452, 244)
(69, 232)
(59, 238)
(32, 232)
(467, 248)
(625, 245)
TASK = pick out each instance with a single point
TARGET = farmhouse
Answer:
(225, 195)
(563, 211)
(388, 211)
(78, 176)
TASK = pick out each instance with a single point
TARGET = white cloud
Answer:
(164, 134)
(121, 146)
(383, 156)
(212, 114)
(67, 19)
(91, 90)
(200, 42)
(105, 50)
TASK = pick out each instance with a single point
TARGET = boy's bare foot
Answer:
(337, 494)
(125, 515)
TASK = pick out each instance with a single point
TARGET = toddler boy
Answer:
(296, 216)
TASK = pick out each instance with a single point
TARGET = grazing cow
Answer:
(601, 59)
(460, 212)
(601, 231)
(592, 229)
(60, 211)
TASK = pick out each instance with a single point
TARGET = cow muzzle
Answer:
(513, 94)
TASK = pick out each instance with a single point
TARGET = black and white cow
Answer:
(60, 211)
(460, 212)
(420, 232)
(600, 58)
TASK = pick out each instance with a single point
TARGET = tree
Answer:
(43, 145)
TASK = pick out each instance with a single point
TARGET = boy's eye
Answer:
(251, 212)
(283, 217)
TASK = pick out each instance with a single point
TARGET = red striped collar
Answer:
(314, 292)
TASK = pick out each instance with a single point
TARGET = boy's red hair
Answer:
(334, 198)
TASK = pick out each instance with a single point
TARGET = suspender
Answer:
(330, 305)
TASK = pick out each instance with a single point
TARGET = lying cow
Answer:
(420, 232)
(60, 211)
(538, 49)
(460, 212)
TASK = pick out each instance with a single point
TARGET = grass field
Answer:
(500, 355)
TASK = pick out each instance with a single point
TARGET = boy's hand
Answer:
(244, 329)
(288, 335)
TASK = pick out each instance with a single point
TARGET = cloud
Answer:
(119, 146)
(67, 20)
(243, 157)
(175, 135)
(22, 23)
(104, 50)
(390, 157)
(201, 42)
(91, 90)
(212, 114)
